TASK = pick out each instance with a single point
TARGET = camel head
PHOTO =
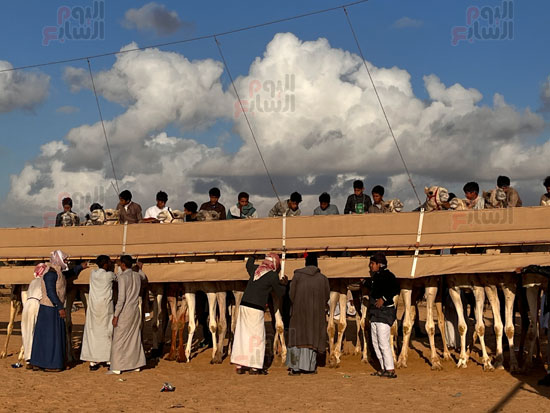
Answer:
(208, 216)
(111, 216)
(97, 217)
(68, 219)
(495, 198)
(435, 197)
(395, 205)
(171, 216)
(458, 204)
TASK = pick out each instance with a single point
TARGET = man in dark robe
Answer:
(309, 293)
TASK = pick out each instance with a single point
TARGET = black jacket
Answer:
(257, 292)
(384, 286)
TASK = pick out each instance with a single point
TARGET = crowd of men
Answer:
(357, 203)
(112, 333)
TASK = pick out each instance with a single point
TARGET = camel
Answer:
(436, 196)
(18, 296)
(495, 198)
(409, 294)
(171, 216)
(534, 284)
(339, 295)
(481, 285)
(394, 205)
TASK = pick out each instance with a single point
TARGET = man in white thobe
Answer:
(98, 329)
(127, 350)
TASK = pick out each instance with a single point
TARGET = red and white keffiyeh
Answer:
(271, 262)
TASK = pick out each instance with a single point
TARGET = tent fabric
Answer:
(356, 267)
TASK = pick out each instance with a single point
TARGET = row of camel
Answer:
(482, 286)
(180, 302)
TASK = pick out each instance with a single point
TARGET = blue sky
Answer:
(514, 68)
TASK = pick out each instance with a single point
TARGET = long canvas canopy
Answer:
(399, 234)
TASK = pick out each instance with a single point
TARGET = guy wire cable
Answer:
(103, 125)
(207, 36)
(246, 117)
(381, 105)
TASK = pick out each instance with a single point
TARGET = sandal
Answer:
(254, 372)
(378, 373)
(389, 374)
(294, 372)
(240, 370)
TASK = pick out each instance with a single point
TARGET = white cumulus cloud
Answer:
(315, 116)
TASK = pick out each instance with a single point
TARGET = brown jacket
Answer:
(513, 199)
(57, 298)
(132, 215)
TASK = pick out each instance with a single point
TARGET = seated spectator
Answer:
(152, 213)
(290, 207)
(243, 208)
(325, 207)
(378, 206)
(358, 202)
(213, 204)
(545, 199)
(512, 196)
(128, 211)
(474, 201)
(67, 218)
(190, 211)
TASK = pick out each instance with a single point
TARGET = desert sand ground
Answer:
(204, 387)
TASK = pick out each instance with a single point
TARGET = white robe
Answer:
(126, 349)
(98, 329)
(30, 312)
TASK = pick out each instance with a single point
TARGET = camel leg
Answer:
(357, 305)
(15, 306)
(342, 325)
(212, 324)
(533, 293)
(238, 298)
(441, 320)
(191, 302)
(479, 294)
(172, 305)
(454, 292)
(157, 318)
(181, 324)
(331, 330)
(431, 293)
(363, 323)
(69, 301)
(406, 294)
(509, 290)
(221, 327)
(492, 294)
(279, 327)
